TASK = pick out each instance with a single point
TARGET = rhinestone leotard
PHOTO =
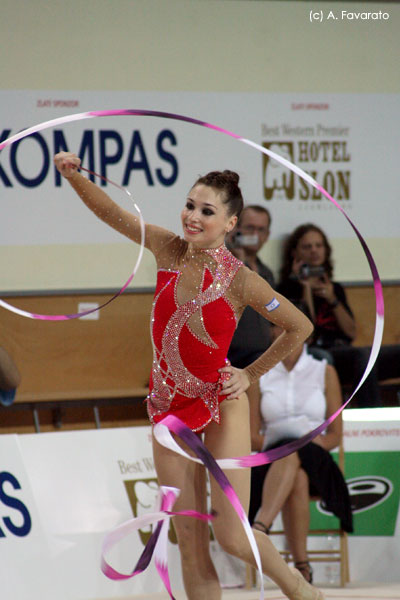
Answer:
(200, 296)
(184, 378)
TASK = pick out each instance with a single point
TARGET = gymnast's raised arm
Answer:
(102, 205)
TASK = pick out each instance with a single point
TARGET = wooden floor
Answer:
(390, 591)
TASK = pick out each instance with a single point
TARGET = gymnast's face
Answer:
(205, 219)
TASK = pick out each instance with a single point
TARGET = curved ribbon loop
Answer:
(157, 542)
(167, 115)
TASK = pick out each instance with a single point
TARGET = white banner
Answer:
(25, 541)
(347, 142)
(371, 430)
(61, 492)
(84, 484)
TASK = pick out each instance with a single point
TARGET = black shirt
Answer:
(327, 332)
(252, 336)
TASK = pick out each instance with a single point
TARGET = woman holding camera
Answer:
(306, 276)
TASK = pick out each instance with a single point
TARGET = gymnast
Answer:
(201, 291)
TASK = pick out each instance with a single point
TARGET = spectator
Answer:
(306, 276)
(294, 397)
(252, 336)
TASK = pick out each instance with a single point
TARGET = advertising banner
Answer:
(373, 480)
(49, 240)
(84, 484)
(60, 493)
(372, 459)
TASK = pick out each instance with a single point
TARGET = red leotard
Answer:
(185, 379)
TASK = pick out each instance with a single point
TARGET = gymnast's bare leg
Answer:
(232, 438)
(198, 571)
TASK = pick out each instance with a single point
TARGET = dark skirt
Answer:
(326, 481)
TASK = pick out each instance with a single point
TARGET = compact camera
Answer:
(309, 271)
(240, 239)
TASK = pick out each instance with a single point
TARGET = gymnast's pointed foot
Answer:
(305, 591)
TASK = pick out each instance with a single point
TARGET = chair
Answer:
(330, 555)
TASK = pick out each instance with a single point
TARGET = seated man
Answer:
(252, 335)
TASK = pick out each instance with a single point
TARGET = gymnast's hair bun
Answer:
(232, 176)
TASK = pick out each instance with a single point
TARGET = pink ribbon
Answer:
(191, 120)
(158, 541)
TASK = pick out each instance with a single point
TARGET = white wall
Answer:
(201, 46)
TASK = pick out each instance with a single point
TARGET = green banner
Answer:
(373, 479)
